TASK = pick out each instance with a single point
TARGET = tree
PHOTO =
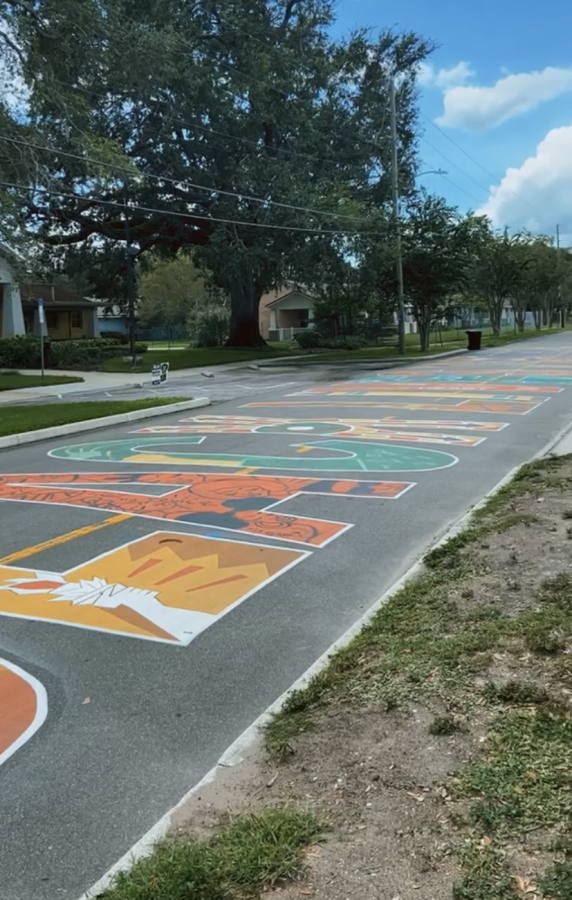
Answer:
(497, 273)
(540, 282)
(436, 256)
(170, 290)
(221, 111)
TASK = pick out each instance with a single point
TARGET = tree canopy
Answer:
(244, 131)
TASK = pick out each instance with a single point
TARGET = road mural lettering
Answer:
(220, 502)
(164, 587)
(347, 456)
(339, 427)
(502, 407)
(363, 429)
(23, 708)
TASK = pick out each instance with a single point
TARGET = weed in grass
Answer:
(523, 779)
(486, 876)
(446, 555)
(445, 725)
(557, 591)
(543, 640)
(556, 883)
(242, 859)
(515, 519)
(516, 693)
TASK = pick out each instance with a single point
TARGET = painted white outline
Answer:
(344, 526)
(274, 468)
(391, 432)
(41, 709)
(387, 404)
(303, 554)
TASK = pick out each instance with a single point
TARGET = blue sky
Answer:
(500, 87)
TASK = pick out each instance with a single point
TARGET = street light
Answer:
(433, 172)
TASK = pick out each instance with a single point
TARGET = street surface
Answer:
(161, 585)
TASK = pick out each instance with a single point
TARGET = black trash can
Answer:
(474, 339)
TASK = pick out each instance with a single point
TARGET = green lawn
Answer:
(17, 419)
(191, 358)
(15, 382)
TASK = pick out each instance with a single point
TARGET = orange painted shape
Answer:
(192, 582)
(23, 708)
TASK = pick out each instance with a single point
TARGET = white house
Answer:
(67, 315)
(11, 312)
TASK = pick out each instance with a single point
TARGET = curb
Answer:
(233, 756)
(44, 434)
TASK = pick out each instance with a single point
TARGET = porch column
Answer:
(92, 323)
(12, 315)
(273, 320)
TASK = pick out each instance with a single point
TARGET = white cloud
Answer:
(479, 108)
(444, 78)
(538, 195)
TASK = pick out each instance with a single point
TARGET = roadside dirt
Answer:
(379, 778)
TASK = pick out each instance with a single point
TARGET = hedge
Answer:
(23, 352)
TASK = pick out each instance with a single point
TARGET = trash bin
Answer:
(474, 339)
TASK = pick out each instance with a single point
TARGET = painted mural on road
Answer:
(164, 587)
(519, 407)
(220, 502)
(23, 708)
(361, 429)
(346, 455)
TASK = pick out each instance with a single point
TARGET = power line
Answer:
(456, 165)
(178, 181)
(135, 207)
(477, 163)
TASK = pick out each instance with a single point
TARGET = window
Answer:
(52, 321)
(77, 320)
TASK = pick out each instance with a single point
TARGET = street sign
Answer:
(160, 373)
(41, 315)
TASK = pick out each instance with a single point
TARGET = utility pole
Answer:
(130, 252)
(561, 308)
(396, 220)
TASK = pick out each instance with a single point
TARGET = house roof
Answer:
(53, 295)
(276, 303)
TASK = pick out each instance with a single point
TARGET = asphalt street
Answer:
(161, 585)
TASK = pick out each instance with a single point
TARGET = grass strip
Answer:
(430, 641)
(12, 381)
(244, 857)
(18, 419)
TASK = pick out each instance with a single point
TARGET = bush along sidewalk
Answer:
(447, 721)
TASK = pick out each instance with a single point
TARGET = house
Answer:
(285, 311)
(67, 315)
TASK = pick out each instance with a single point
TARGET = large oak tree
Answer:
(167, 122)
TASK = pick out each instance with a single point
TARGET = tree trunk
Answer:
(495, 314)
(424, 326)
(244, 321)
(520, 316)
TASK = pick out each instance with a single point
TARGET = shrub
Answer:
(82, 354)
(141, 347)
(209, 327)
(309, 339)
(21, 352)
